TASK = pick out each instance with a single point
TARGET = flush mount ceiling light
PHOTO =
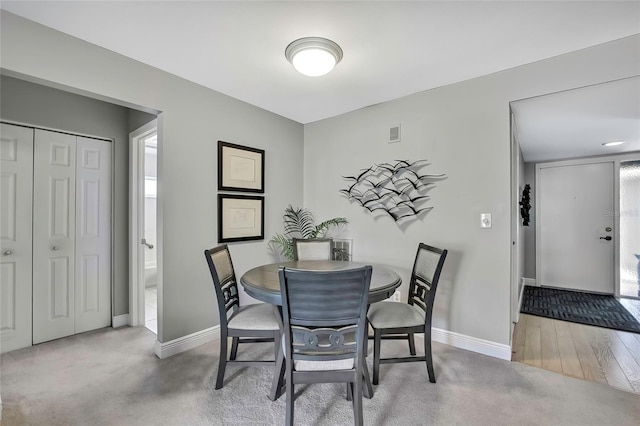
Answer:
(615, 143)
(313, 56)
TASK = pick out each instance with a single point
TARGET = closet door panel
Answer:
(54, 223)
(93, 235)
(16, 186)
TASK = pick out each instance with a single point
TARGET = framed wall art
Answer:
(240, 168)
(240, 218)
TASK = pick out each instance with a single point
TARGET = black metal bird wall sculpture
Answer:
(397, 189)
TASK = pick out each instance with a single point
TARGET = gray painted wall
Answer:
(463, 130)
(193, 119)
(37, 105)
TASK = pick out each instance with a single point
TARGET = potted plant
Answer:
(300, 223)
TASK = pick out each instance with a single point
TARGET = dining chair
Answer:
(396, 320)
(312, 249)
(324, 315)
(252, 323)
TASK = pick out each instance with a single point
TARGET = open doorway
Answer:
(553, 135)
(144, 305)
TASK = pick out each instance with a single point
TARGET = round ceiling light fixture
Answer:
(313, 56)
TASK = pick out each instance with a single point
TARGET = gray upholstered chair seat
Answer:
(336, 364)
(393, 320)
(394, 315)
(259, 316)
(324, 316)
(244, 324)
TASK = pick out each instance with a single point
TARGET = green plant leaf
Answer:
(284, 244)
(322, 228)
(298, 222)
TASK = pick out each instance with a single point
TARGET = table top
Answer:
(263, 282)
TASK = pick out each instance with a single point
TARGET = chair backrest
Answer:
(312, 249)
(425, 276)
(324, 313)
(224, 280)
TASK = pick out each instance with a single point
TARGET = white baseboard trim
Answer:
(529, 281)
(120, 321)
(485, 347)
(473, 344)
(190, 341)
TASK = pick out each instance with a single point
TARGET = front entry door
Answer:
(576, 235)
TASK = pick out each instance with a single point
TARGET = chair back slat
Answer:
(324, 313)
(224, 280)
(425, 276)
(312, 249)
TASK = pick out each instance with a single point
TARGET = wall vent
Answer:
(394, 133)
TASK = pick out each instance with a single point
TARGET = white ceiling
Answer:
(576, 123)
(391, 48)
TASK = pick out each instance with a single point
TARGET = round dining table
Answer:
(263, 283)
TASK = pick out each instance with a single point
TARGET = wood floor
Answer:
(590, 353)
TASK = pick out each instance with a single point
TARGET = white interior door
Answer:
(71, 235)
(93, 239)
(54, 218)
(16, 185)
(576, 236)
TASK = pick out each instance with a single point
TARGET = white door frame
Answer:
(515, 228)
(616, 159)
(136, 225)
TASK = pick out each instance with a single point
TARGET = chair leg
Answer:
(234, 348)
(277, 344)
(377, 337)
(427, 356)
(367, 389)
(222, 362)
(412, 344)
(278, 375)
(357, 399)
(349, 391)
(290, 397)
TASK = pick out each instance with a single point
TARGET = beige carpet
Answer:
(112, 377)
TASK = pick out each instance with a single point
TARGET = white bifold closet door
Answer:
(16, 186)
(71, 235)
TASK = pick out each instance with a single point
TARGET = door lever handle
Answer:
(608, 238)
(144, 241)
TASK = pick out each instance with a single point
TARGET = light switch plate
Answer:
(485, 220)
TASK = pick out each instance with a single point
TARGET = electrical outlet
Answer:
(396, 296)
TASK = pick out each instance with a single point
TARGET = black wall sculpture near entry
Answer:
(399, 190)
(525, 204)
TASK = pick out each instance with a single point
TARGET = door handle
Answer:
(55, 248)
(7, 253)
(144, 241)
(608, 238)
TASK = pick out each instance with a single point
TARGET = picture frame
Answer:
(240, 168)
(240, 218)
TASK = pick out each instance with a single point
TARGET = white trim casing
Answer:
(190, 341)
(120, 321)
(136, 222)
(473, 344)
(484, 347)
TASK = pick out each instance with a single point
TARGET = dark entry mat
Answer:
(585, 308)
